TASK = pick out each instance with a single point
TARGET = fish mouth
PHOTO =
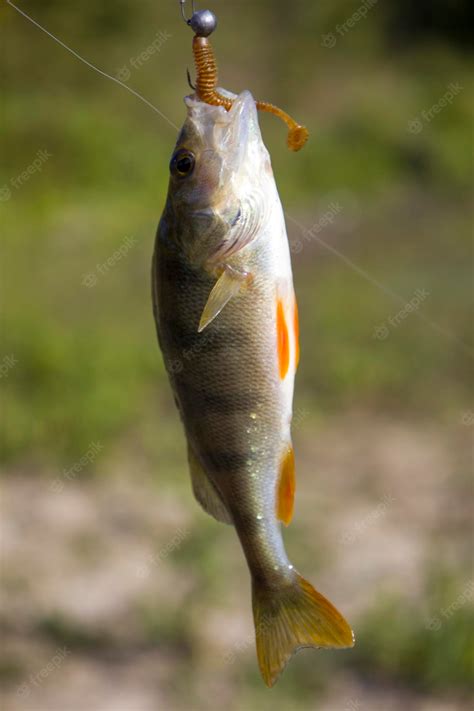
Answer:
(232, 135)
(244, 137)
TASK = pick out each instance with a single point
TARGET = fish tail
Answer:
(294, 616)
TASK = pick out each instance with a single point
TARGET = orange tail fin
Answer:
(295, 616)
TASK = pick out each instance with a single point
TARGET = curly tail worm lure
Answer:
(203, 23)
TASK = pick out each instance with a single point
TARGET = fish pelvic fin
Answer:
(290, 618)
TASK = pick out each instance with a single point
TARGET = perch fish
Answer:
(227, 324)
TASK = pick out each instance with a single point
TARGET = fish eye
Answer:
(182, 163)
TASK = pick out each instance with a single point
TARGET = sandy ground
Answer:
(375, 499)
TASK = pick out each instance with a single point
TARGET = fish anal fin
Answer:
(285, 498)
(227, 286)
(205, 492)
(291, 617)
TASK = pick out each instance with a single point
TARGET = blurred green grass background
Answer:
(87, 364)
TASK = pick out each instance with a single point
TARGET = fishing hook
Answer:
(203, 23)
(182, 4)
(189, 80)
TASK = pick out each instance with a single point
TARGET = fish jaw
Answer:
(234, 138)
(222, 205)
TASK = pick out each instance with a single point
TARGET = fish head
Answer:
(217, 177)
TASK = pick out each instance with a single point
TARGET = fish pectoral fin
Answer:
(227, 286)
(205, 491)
(292, 617)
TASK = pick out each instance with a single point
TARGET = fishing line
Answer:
(92, 66)
(385, 289)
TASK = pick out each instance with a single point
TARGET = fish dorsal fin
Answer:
(205, 491)
(227, 286)
(285, 498)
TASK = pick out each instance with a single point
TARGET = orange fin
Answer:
(286, 488)
(283, 341)
(290, 618)
(297, 335)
